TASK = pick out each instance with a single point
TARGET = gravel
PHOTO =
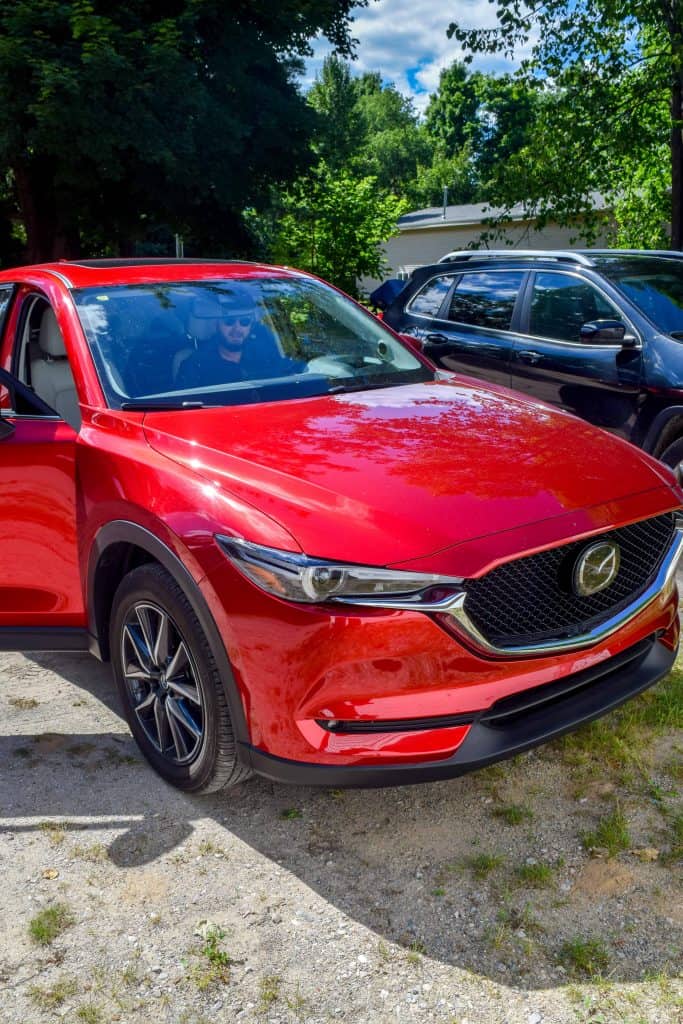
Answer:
(366, 907)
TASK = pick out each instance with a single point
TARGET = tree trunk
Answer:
(677, 161)
(50, 235)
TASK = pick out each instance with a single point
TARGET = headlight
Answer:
(313, 580)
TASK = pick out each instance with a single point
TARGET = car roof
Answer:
(112, 272)
(589, 258)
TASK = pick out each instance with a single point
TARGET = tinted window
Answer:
(428, 300)
(486, 299)
(654, 285)
(237, 341)
(561, 304)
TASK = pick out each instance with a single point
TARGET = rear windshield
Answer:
(236, 341)
(654, 285)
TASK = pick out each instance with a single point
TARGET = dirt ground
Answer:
(473, 901)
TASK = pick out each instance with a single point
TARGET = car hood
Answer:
(388, 476)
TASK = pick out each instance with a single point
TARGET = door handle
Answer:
(529, 357)
(437, 339)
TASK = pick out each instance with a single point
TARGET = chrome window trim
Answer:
(563, 272)
(461, 273)
(454, 605)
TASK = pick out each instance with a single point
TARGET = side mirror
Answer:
(605, 332)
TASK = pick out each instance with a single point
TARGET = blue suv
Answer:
(597, 332)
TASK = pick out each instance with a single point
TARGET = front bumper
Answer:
(510, 726)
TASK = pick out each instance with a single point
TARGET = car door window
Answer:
(561, 304)
(486, 299)
(41, 362)
(429, 299)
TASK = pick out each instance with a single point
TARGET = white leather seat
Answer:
(51, 376)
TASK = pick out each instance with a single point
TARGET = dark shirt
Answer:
(260, 359)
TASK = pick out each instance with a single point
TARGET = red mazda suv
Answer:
(306, 552)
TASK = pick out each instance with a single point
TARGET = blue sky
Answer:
(406, 41)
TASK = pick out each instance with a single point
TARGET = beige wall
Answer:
(414, 248)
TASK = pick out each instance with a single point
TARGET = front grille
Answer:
(530, 600)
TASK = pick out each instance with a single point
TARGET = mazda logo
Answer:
(595, 568)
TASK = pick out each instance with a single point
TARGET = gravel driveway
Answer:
(476, 900)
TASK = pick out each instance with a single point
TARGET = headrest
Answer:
(50, 339)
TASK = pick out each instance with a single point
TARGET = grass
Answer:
(482, 864)
(215, 970)
(538, 875)
(49, 998)
(47, 925)
(90, 1014)
(95, 853)
(588, 958)
(269, 991)
(415, 952)
(611, 834)
(675, 851)
(208, 848)
(291, 813)
(513, 814)
(617, 741)
(23, 703)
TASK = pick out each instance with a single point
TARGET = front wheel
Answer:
(169, 684)
(673, 455)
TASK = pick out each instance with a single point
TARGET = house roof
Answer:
(472, 213)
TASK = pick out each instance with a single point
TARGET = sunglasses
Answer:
(243, 321)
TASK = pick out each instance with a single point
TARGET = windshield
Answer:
(237, 341)
(654, 285)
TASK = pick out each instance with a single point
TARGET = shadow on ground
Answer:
(399, 861)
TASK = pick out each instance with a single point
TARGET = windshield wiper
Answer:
(358, 385)
(160, 407)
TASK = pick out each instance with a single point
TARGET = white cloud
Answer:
(406, 41)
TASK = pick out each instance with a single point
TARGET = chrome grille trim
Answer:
(453, 605)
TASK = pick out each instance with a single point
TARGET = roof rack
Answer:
(107, 263)
(672, 254)
(561, 255)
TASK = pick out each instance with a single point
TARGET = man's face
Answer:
(235, 328)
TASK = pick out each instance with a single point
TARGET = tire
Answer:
(673, 455)
(179, 718)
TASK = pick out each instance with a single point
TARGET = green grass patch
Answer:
(52, 996)
(537, 876)
(46, 926)
(482, 864)
(611, 834)
(513, 814)
(588, 958)
(617, 740)
(214, 969)
(291, 813)
(675, 851)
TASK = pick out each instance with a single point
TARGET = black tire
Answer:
(170, 687)
(673, 455)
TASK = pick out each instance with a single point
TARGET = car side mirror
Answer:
(605, 332)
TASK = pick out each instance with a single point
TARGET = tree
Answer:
(608, 65)
(338, 128)
(118, 116)
(332, 224)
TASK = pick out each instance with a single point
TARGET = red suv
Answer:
(306, 552)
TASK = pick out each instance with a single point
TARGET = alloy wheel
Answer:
(162, 682)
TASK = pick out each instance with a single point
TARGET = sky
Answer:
(406, 41)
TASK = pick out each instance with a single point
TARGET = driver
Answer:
(240, 349)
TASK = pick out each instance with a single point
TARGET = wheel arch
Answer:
(666, 428)
(121, 546)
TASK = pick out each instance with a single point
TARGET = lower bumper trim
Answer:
(491, 738)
